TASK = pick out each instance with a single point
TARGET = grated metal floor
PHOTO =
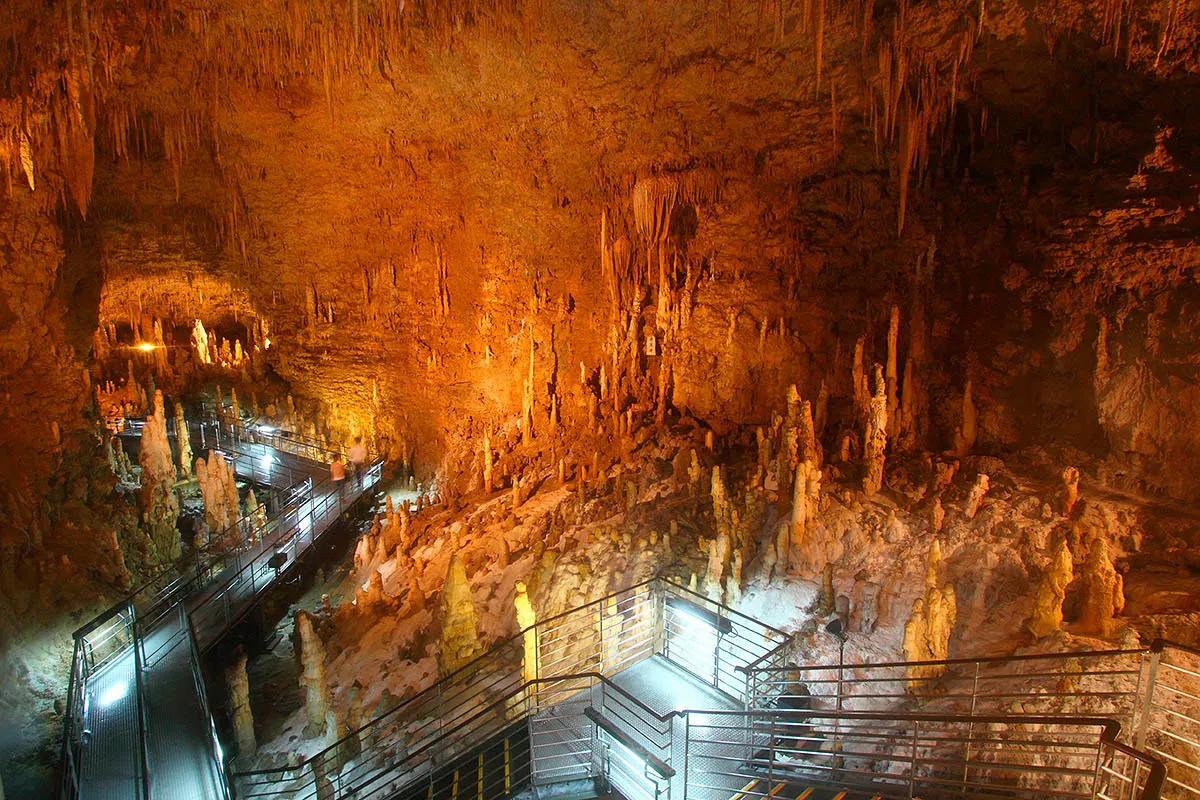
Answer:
(178, 734)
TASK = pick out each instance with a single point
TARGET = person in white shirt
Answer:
(358, 458)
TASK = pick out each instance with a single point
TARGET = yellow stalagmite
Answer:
(460, 634)
(526, 619)
(1048, 601)
(875, 437)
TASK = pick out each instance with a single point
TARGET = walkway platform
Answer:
(140, 724)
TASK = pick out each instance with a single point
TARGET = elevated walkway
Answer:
(658, 693)
(138, 721)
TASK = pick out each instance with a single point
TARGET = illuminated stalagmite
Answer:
(460, 623)
(218, 491)
(975, 495)
(875, 438)
(185, 443)
(1103, 591)
(719, 553)
(312, 676)
(160, 508)
(1052, 590)
(526, 619)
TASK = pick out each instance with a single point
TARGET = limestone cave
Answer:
(486, 399)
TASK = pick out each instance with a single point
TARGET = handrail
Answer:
(166, 590)
(957, 661)
(202, 693)
(661, 767)
(142, 714)
(1158, 645)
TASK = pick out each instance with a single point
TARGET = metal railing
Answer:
(1169, 724)
(218, 589)
(717, 644)
(767, 753)
(1152, 692)
(576, 651)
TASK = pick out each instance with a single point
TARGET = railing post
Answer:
(912, 761)
(971, 727)
(1147, 699)
(661, 644)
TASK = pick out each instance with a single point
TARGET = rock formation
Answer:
(460, 625)
(875, 436)
(317, 701)
(185, 443)
(1102, 591)
(238, 686)
(218, 490)
(526, 619)
(160, 507)
(1052, 590)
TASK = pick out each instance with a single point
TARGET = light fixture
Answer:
(266, 429)
(837, 630)
(145, 347)
(703, 615)
(266, 461)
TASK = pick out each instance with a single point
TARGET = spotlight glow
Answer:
(114, 694)
(145, 347)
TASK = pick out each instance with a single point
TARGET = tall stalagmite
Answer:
(238, 685)
(160, 508)
(312, 677)
(875, 438)
(460, 622)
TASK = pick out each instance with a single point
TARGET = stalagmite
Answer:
(964, 440)
(200, 342)
(235, 412)
(218, 491)
(1070, 489)
(1052, 590)
(488, 465)
(526, 619)
(256, 517)
(724, 515)
(916, 644)
(975, 495)
(858, 384)
(891, 375)
(810, 554)
(527, 399)
(312, 677)
(875, 438)
(160, 508)
(238, 685)
(460, 635)
(185, 443)
(516, 492)
(942, 613)
(1102, 594)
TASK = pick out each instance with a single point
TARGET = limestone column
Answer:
(185, 444)
(460, 633)
(238, 684)
(312, 679)
(526, 619)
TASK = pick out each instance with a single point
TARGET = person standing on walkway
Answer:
(358, 459)
(337, 471)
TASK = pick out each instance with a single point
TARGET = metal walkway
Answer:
(138, 723)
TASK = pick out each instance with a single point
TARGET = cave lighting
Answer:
(114, 694)
(145, 347)
(266, 429)
(266, 461)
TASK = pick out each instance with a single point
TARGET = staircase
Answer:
(661, 694)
